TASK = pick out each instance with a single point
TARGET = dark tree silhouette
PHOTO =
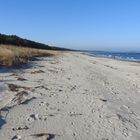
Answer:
(15, 40)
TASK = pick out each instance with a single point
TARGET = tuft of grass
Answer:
(14, 87)
(13, 55)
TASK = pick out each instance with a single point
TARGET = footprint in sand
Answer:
(16, 137)
(20, 128)
(33, 117)
(42, 103)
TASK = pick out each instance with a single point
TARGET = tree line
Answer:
(15, 40)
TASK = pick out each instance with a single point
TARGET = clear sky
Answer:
(80, 24)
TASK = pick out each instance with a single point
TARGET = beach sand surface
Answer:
(72, 96)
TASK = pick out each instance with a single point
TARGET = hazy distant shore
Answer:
(71, 96)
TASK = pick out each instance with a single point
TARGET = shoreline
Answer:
(93, 55)
(71, 96)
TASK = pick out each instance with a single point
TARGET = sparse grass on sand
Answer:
(13, 55)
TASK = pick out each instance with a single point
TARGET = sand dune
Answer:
(71, 97)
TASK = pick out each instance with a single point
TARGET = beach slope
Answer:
(71, 96)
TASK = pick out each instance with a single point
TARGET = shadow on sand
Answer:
(2, 121)
(19, 68)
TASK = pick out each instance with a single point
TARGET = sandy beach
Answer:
(71, 96)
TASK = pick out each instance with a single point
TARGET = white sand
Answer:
(77, 97)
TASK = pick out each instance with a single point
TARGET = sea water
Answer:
(127, 56)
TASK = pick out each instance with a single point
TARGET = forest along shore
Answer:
(71, 96)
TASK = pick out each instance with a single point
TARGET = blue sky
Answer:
(80, 24)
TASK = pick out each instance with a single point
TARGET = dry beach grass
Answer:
(13, 55)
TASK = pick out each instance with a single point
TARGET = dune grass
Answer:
(13, 55)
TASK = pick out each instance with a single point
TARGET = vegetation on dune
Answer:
(15, 50)
(13, 55)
